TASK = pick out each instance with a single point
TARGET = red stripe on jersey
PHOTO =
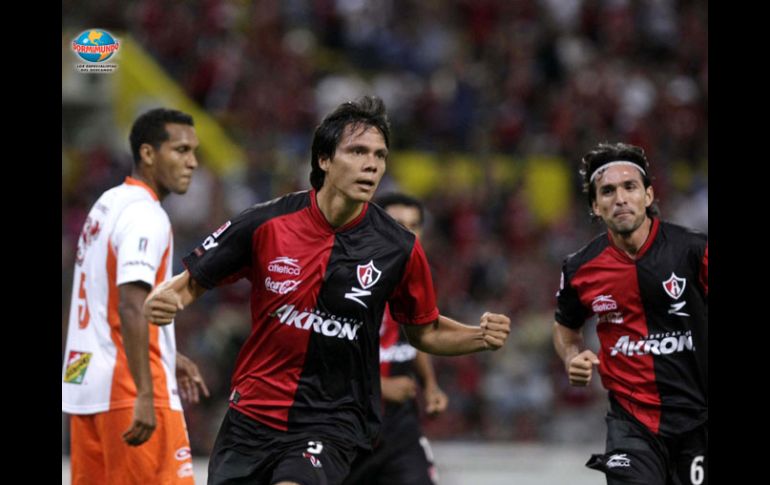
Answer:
(414, 301)
(609, 286)
(389, 334)
(270, 364)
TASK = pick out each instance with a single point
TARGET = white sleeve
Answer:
(141, 238)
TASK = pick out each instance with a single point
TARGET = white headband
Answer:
(612, 164)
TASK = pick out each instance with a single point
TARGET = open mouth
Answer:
(365, 183)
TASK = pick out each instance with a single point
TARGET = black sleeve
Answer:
(224, 253)
(569, 311)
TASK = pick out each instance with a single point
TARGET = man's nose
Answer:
(370, 163)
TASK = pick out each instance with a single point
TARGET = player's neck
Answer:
(336, 207)
(151, 183)
(631, 243)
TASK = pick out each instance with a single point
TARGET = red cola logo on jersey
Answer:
(368, 275)
(281, 287)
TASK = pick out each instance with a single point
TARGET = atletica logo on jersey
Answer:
(284, 265)
(318, 322)
(657, 344)
(604, 303)
(607, 309)
(368, 275)
(674, 287)
(620, 460)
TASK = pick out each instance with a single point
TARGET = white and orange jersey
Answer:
(126, 237)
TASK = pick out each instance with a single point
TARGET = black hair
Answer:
(368, 111)
(150, 128)
(605, 153)
(396, 198)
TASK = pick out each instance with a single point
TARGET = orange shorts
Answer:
(100, 456)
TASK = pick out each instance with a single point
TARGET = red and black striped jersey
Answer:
(652, 322)
(318, 295)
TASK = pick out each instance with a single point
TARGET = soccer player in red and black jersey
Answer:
(323, 265)
(647, 282)
(401, 455)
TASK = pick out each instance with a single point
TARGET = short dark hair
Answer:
(150, 128)
(605, 153)
(397, 198)
(368, 110)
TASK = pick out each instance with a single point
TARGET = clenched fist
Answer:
(495, 328)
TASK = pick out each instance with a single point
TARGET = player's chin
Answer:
(182, 185)
(361, 196)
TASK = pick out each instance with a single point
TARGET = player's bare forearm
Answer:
(424, 368)
(136, 335)
(578, 363)
(189, 379)
(449, 337)
(166, 299)
(436, 400)
(567, 342)
(398, 389)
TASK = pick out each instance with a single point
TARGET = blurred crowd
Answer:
(481, 77)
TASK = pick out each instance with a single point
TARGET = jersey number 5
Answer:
(83, 315)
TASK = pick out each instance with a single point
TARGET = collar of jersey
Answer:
(132, 181)
(650, 238)
(320, 219)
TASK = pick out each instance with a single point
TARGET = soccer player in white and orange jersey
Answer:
(119, 381)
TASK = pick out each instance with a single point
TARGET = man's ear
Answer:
(324, 162)
(649, 196)
(147, 154)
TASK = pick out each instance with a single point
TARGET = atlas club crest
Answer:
(368, 275)
(674, 286)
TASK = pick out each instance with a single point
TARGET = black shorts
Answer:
(395, 463)
(249, 452)
(634, 455)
